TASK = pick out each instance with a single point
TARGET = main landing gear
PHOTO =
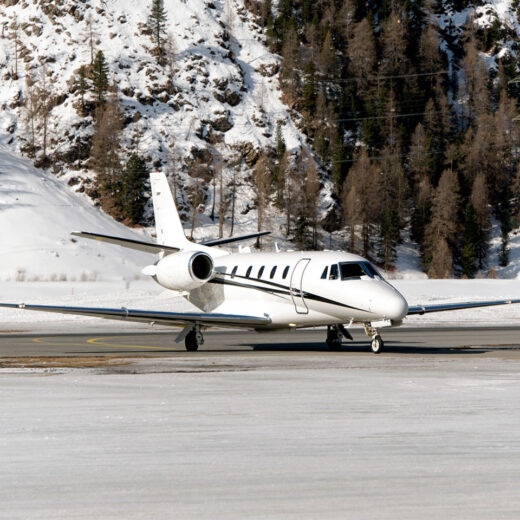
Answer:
(334, 335)
(194, 339)
(377, 344)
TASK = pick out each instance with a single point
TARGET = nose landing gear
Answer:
(377, 344)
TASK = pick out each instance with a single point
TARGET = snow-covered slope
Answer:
(219, 96)
(37, 214)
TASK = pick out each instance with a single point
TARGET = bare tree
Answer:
(444, 224)
(262, 184)
(32, 107)
(105, 153)
(15, 37)
(361, 190)
(362, 52)
(46, 104)
(312, 193)
(394, 44)
(196, 197)
(90, 35)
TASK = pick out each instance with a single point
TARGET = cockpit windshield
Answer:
(353, 270)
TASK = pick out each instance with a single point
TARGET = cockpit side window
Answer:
(372, 270)
(325, 273)
(333, 272)
(352, 270)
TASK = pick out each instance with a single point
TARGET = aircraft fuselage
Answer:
(300, 289)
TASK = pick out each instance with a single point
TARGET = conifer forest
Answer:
(400, 122)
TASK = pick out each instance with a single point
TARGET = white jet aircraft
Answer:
(259, 291)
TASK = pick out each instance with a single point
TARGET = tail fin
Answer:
(168, 225)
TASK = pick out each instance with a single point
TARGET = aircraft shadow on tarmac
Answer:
(361, 348)
(394, 347)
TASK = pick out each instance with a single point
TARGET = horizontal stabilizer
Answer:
(148, 247)
(425, 309)
(158, 317)
(221, 241)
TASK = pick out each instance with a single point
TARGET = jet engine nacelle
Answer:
(184, 271)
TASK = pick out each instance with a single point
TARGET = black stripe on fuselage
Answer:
(277, 288)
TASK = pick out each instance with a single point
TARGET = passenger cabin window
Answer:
(350, 270)
(248, 272)
(333, 272)
(273, 271)
(325, 273)
(285, 272)
(234, 271)
(261, 271)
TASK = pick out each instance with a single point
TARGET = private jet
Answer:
(260, 291)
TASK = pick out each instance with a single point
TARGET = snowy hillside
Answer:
(37, 214)
(218, 98)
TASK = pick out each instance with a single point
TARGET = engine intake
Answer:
(184, 271)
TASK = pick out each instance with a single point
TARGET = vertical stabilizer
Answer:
(168, 225)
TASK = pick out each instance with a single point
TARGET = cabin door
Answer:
(297, 286)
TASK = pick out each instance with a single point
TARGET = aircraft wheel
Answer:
(333, 337)
(377, 344)
(334, 344)
(193, 340)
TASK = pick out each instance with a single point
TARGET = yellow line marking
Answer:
(40, 340)
(95, 341)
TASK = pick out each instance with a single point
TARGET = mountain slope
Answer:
(37, 214)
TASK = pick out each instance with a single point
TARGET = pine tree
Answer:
(81, 86)
(479, 201)
(309, 88)
(131, 189)
(100, 78)
(157, 20)
(470, 236)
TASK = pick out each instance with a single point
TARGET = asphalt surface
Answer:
(495, 341)
(261, 426)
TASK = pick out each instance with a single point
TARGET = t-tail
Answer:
(168, 226)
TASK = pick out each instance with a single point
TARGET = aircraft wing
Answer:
(157, 317)
(148, 247)
(424, 309)
(221, 241)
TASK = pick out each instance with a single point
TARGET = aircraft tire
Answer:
(191, 341)
(334, 345)
(377, 344)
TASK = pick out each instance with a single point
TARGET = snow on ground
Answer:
(37, 215)
(145, 294)
(266, 436)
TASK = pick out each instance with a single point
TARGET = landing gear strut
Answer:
(377, 344)
(194, 339)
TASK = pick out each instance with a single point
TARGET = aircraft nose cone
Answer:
(397, 307)
(389, 304)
